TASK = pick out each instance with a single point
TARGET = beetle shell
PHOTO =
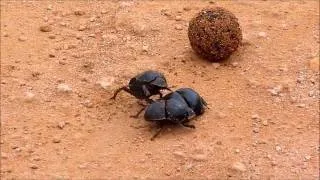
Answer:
(193, 99)
(147, 84)
(171, 108)
(156, 111)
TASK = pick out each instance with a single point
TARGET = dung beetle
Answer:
(144, 85)
(176, 108)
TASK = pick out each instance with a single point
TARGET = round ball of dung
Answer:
(214, 33)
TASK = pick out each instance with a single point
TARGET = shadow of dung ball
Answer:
(214, 33)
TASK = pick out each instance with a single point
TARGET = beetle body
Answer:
(176, 107)
(145, 84)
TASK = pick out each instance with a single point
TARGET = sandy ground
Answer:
(57, 121)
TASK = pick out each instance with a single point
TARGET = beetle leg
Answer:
(157, 132)
(188, 125)
(124, 88)
(139, 112)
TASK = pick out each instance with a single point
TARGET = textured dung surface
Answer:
(214, 33)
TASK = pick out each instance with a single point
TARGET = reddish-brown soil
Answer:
(57, 121)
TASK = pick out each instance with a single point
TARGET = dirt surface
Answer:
(62, 61)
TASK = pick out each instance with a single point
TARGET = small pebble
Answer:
(239, 166)
(34, 166)
(179, 154)
(61, 124)
(51, 36)
(314, 64)
(178, 27)
(22, 38)
(56, 140)
(82, 166)
(262, 34)
(255, 116)
(178, 18)
(49, 7)
(278, 148)
(103, 11)
(216, 65)
(64, 88)
(105, 82)
(4, 155)
(199, 157)
(301, 105)
(29, 97)
(145, 48)
(79, 13)
(276, 90)
(5, 34)
(186, 8)
(87, 103)
(82, 28)
(256, 130)
(307, 157)
(52, 54)
(234, 64)
(237, 150)
(265, 122)
(220, 115)
(45, 28)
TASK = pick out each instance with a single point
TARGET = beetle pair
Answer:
(177, 107)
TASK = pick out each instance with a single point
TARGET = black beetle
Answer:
(176, 107)
(144, 85)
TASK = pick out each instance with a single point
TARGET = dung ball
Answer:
(214, 33)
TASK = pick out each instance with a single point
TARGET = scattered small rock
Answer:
(4, 155)
(51, 36)
(52, 54)
(216, 65)
(79, 13)
(178, 27)
(237, 150)
(145, 48)
(307, 157)
(92, 19)
(265, 122)
(314, 64)
(255, 116)
(301, 105)
(178, 18)
(61, 124)
(239, 166)
(235, 64)
(82, 166)
(22, 38)
(278, 148)
(56, 140)
(87, 103)
(186, 8)
(105, 82)
(29, 97)
(82, 28)
(276, 90)
(45, 28)
(262, 34)
(103, 11)
(199, 157)
(5, 34)
(220, 115)
(49, 7)
(34, 166)
(256, 130)
(179, 154)
(64, 88)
